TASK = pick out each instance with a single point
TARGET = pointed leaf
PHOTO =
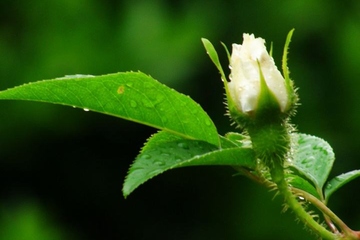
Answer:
(210, 50)
(239, 139)
(132, 96)
(300, 183)
(285, 53)
(165, 151)
(337, 182)
(313, 158)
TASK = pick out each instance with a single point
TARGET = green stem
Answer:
(277, 174)
(347, 232)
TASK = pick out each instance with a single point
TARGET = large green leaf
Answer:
(165, 151)
(313, 158)
(132, 96)
(338, 181)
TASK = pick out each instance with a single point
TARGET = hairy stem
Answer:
(277, 174)
(347, 232)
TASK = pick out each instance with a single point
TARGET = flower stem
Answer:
(277, 174)
(328, 214)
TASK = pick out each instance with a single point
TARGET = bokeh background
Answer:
(62, 168)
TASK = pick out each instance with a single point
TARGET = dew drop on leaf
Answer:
(301, 198)
(147, 103)
(207, 122)
(165, 155)
(183, 145)
(164, 119)
(159, 163)
(154, 172)
(133, 104)
(86, 109)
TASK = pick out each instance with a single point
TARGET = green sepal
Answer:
(271, 49)
(210, 50)
(268, 107)
(236, 115)
(227, 51)
(291, 91)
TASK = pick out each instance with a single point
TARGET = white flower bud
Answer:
(245, 85)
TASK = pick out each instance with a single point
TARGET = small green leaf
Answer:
(337, 182)
(132, 96)
(300, 183)
(239, 139)
(227, 143)
(313, 158)
(165, 151)
(210, 50)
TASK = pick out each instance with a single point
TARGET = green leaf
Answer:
(313, 158)
(337, 182)
(227, 143)
(165, 151)
(300, 183)
(239, 139)
(132, 96)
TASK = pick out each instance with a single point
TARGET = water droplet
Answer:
(301, 198)
(164, 119)
(146, 156)
(159, 163)
(194, 111)
(207, 122)
(86, 109)
(147, 103)
(183, 145)
(165, 155)
(154, 172)
(305, 161)
(133, 104)
(338, 179)
(178, 160)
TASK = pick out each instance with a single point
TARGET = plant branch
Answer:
(351, 234)
(277, 174)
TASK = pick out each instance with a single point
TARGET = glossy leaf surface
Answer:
(313, 158)
(338, 181)
(133, 96)
(165, 151)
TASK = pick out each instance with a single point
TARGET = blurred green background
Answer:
(62, 168)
